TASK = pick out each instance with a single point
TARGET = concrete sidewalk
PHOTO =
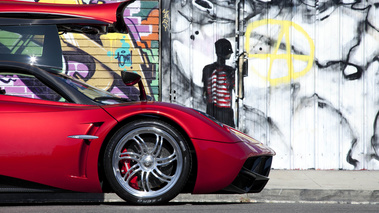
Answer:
(309, 186)
(360, 187)
(326, 180)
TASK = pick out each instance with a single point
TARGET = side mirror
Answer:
(130, 79)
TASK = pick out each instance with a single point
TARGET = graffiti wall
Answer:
(310, 84)
(100, 59)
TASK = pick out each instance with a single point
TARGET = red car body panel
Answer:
(49, 157)
(95, 11)
(219, 166)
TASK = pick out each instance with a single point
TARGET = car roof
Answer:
(20, 12)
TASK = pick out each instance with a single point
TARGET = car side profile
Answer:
(60, 133)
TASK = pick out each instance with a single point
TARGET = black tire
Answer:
(147, 162)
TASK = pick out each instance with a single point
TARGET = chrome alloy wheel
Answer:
(147, 162)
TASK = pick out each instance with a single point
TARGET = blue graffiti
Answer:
(123, 55)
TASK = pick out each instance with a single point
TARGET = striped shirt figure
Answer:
(218, 80)
(220, 88)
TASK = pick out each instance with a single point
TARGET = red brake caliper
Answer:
(124, 168)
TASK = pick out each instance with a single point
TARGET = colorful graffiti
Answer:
(312, 79)
(134, 52)
(99, 60)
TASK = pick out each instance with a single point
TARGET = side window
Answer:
(35, 44)
(28, 86)
(13, 43)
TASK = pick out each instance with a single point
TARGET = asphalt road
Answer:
(195, 207)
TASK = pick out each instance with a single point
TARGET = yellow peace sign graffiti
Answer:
(285, 62)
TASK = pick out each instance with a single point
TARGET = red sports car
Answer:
(60, 133)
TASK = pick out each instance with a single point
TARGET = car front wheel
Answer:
(147, 162)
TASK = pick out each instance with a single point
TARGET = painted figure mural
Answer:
(311, 87)
(218, 84)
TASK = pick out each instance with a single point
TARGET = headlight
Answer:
(243, 137)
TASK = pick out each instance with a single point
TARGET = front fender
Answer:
(193, 123)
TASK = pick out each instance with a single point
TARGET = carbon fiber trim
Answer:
(253, 176)
(8, 184)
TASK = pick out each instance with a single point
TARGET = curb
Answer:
(318, 195)
(266, 196)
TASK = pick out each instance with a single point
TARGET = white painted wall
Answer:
(317, 104)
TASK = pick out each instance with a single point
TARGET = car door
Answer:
(48, 142)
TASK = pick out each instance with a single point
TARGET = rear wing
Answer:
(94, 18)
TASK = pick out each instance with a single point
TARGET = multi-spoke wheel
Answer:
(147, 162)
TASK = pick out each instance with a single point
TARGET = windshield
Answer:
(97, 95)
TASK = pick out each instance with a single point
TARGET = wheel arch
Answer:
(193, 171)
